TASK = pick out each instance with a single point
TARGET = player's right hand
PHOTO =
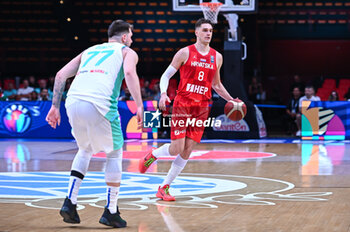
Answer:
(163, 100)
(139, 117)
(54, 117)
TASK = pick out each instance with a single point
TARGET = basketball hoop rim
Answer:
(211, 4)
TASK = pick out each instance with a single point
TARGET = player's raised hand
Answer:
(163, 100)
(54, 117)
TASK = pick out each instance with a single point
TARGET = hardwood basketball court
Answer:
(243, 185)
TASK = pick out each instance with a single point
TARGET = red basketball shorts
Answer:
(188, 118)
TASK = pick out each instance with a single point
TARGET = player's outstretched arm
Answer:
(133, 83)
(216, 84)
(180, 58)
(69, 70)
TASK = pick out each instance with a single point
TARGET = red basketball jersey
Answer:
(197, 74)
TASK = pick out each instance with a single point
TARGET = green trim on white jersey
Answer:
(117, 134)
(113, 109)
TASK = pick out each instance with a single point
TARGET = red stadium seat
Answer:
(329, 84)
(344, 84)
(6, 83)
(142, 81)
(153, 82)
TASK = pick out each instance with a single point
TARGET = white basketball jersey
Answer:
(99, 78)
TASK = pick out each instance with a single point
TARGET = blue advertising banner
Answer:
(324, 120)
(26, 119)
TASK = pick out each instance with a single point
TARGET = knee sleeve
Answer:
(114, 166)
(81, 161)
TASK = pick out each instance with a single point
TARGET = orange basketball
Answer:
(235, 109)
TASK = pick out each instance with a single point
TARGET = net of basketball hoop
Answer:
(211, 11)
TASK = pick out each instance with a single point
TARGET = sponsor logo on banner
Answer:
(190, 122)
(151, 119)
(17, 118)
(229, 125)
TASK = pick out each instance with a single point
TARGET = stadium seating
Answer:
(39, 37)
(343, 87)
(6, 83)
(308, 18)
(50, 33)
(329, 85)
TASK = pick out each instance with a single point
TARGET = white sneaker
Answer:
(298, 133)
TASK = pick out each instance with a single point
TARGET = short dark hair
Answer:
(118, 27)
(202, 21)
(297, 87)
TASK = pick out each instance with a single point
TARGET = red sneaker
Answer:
(146, 161)
(163, 193)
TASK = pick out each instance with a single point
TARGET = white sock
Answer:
(79, 168)
(73, 188)
(162, 151)
(176, 168)
(112, 198)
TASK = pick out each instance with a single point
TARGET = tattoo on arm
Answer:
(58, 91)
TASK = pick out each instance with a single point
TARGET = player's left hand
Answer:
(54, 117)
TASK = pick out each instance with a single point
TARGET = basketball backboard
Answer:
(229, 6)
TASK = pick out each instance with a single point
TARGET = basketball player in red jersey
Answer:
(199, 66)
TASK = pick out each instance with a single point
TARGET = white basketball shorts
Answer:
(91, 130)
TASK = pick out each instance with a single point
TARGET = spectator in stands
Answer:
(149, 92)
(17, 82)
(122, 93)
(50, 83)
(156, 92)
(33, 96)
(66, 88)
(347, 95)
(2, 97)
(309, 96)
(44, 95)
(41, 85)
(255, 90)
(334, 96)
(32, 82)
(292, 111)
(298, 83)
(11, 93)
(145, 95)
(127, 96)
(24, 93)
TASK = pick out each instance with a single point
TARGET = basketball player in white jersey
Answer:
(93, 114)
